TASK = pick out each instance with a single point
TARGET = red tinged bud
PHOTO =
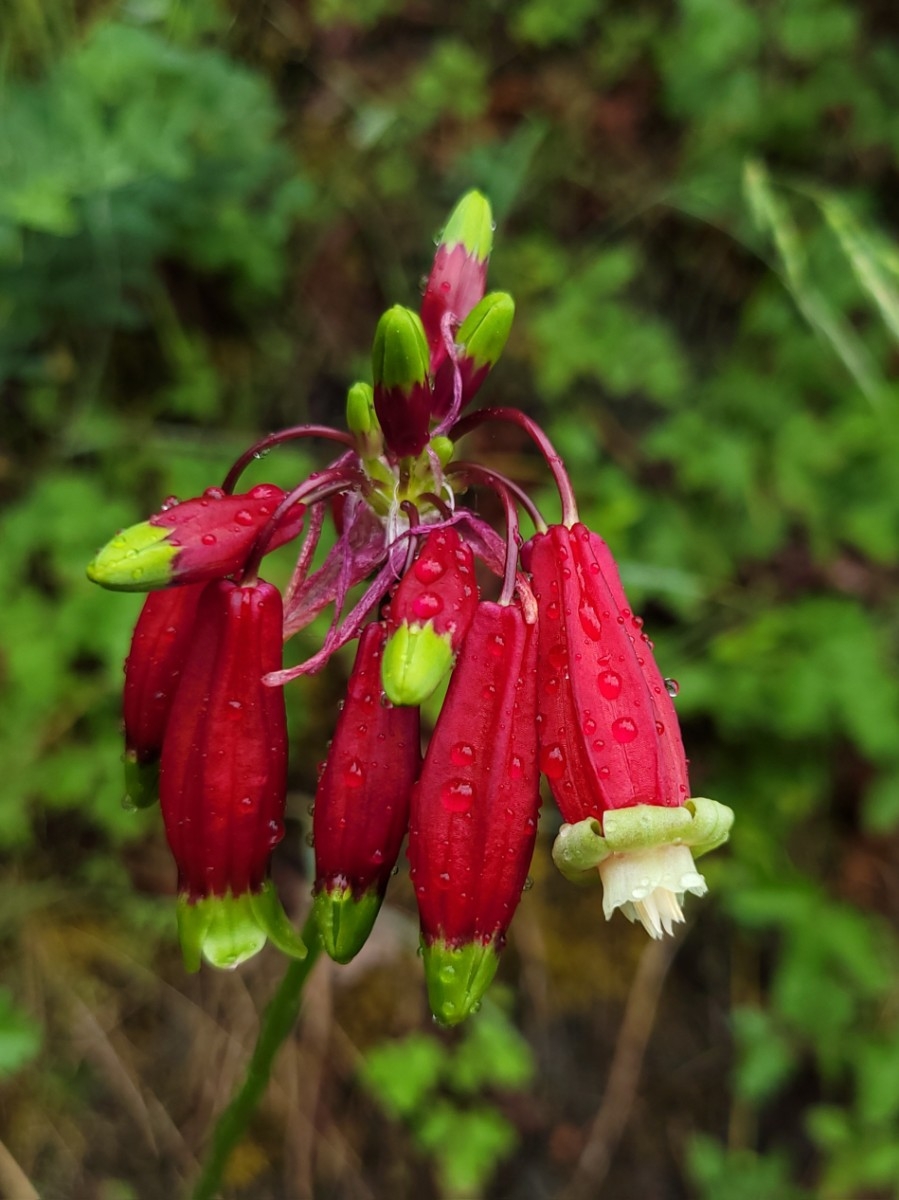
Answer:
(609, 735)
(193, 541)
(159, 646)
(224, 773)
(362, 803)
(475, 808)
(430, 613)
(402, 389)
(459, 274)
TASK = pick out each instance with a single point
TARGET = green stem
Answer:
(277, 1022)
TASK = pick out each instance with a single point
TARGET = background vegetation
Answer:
(203, 209)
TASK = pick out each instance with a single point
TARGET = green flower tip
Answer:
(228, 930)
(362, 420)
(485, 330)
(400, 356)
(457, 978)
(470, 225)
(415, 660)
(136, 560)
(141, 782)
(344, 920)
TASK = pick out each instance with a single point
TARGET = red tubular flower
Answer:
(474, 810)
(430, 613)
(193, 541)
(610, 743)
(609, 735)
(162, 635)
(223, 777)
(362, 804)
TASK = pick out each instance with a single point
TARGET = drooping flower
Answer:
(474, 810)
(223, 778)
(609, 735)
(162, 636)
(193, 541)
(566, 682)
(430, 614)
(362, 803)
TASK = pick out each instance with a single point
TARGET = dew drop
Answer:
(214, 493)
(244, 517)
(353, 774)
(672, 687)
(599, 745)
(589, 727)
(553, 610)
(557, 656)
(624, 730)
(377, 857)
(552, 761)
(551, 685)
(426, 570)
(447, 974)
(609, 684)
(246, 802)
(427, 605)
(590, 622)
(516, 767)
(461, 754)
(208, 539)
(275, 832)
(457, 795)
(604, 772)
(528, 884)
(496, 646)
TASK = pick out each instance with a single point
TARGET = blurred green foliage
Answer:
(203, 209)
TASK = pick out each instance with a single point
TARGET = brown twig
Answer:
(614, 1112)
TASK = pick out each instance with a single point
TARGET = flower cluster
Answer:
(552, 676)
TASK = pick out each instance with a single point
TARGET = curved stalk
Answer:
(275, 439)
(278, 1020)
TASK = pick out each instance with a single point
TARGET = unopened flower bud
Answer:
(430, 613)
(402, 391)
(223, 778)
(362, 804)
(193, 541)
(474, 810)
(480, 341)
(459, 274)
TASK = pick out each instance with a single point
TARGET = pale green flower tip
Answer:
(415, 660)
(400, 357)
(699, 824)
(485, 330)
(470, 225)
(228, 930)
(136, 560)
(444, 448)
(457, 978)
(344, 921)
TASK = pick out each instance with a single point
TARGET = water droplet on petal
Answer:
(244, 517)
(604, 772)
(516, 767)
(427, 605)
(353, 774)
(557, 657)
(553, 610)
(208, 539)
(590, 622)
(609, 684)
(672, 687)
(660, 728)
(457, 795)
(426, 570)
(552, 761)
(461, 754)
(624, 730)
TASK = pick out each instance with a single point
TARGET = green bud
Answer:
(470, 225)
(362, 421)
(444, 448)
(136, 560)
(457, 978)
(485, 330)
(345, 921)
(415, 660)
(400, 356)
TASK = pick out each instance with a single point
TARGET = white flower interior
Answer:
(649, 886)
